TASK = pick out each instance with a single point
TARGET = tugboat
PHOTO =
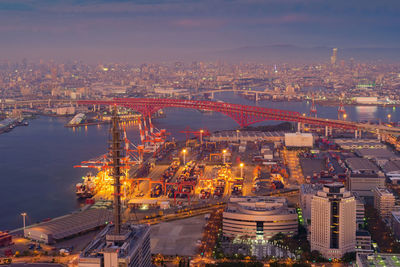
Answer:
(86, 189)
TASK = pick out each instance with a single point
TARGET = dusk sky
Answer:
(158, 30)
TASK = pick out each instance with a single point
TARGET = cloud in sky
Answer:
(155, 28)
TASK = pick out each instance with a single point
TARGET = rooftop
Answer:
(381, 153)
(266, 204)
(392, 166)
(310, 188)
(378, 259)
(73, 224)
(124, 243)
(361, 166)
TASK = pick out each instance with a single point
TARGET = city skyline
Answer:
(146, 31)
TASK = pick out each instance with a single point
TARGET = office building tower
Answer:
(333, 221)
(334, 56)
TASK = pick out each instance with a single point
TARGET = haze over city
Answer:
(155, 31)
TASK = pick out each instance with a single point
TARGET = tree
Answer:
(349, 257)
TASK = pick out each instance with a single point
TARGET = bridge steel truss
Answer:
(244, 115)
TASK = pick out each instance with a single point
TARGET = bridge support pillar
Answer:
(212, 95)
(326, 131)
(299, 127)
(257, 97)
(49, 103)
(359, 134)
(378, 134)
(94, 107)
(31, 105)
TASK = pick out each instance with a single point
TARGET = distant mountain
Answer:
(297, 54)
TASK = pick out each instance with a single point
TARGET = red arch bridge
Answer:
(244, 115)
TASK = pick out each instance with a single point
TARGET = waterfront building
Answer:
(129, 248)
(245, 136)
(68, 226)
(299, 140)
(384, 202)
(259, 217)
(333, 221)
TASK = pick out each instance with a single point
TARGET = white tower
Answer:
(333, 221)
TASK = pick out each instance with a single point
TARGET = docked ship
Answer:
(87, 188)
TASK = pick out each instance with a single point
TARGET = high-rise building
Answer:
(384, 202)
(333, 221)
(334, 56)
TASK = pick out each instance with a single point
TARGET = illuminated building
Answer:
(259, 217)
(333, 221)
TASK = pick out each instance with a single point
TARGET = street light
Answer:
(201, 136)
(389, 116)
(23, 218)
(241, 169)
(184, 156)
(223, 154)
(237, 136)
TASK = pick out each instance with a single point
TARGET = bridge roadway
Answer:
(244, 115)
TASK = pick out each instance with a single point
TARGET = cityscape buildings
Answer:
(384, 202)
(258, 217)
(333, 221)
(240, 133)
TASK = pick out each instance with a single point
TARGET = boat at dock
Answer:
(87, 188)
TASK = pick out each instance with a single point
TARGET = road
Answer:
(292, 161)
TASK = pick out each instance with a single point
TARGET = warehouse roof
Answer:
(380, 153)
(73, 224)
(392, 166)
(361, 165)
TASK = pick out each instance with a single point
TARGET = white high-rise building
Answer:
(333, 221)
